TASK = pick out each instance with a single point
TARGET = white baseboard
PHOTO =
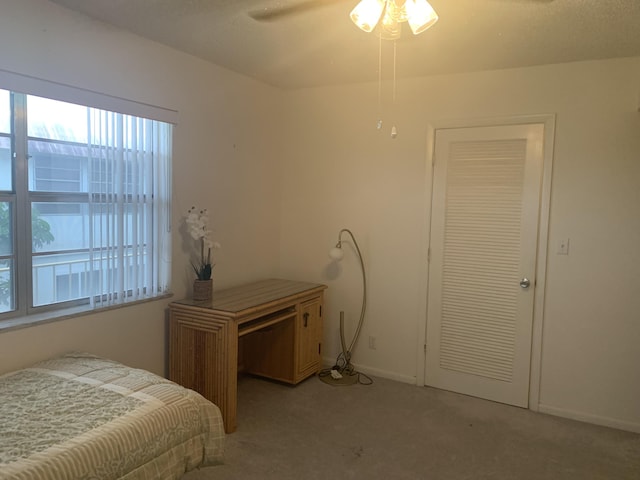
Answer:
(559, 412)
(595, 419)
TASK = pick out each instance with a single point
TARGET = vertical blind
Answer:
(129, 206)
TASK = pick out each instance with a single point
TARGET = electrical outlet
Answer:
(372, 342)
(563, 246)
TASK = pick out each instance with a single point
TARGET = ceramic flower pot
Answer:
(202, 289)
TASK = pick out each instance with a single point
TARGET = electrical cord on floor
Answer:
(346, 369)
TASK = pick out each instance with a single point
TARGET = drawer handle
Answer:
(306, 319)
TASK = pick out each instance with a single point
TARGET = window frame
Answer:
(21, 199)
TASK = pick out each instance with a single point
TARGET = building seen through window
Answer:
(81, 193)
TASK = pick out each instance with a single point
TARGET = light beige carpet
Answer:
(392, 430)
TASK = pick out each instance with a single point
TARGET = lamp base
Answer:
(345, 380)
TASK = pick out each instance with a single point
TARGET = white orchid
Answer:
(197, 226)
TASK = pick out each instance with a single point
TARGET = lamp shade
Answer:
(420, 15)
(336, 253)
(367, 13)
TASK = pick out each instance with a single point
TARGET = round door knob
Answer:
(525, 283)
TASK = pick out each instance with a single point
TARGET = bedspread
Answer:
(85, 417)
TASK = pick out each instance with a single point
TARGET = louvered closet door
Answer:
(486, 196)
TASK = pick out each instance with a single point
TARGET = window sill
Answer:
(55, 316)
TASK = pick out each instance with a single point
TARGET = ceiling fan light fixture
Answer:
(420, 15)
(397, 10)
(389, 27)
(367, 13)
(385, 16)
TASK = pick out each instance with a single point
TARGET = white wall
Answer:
(342, 172)
(225, 159)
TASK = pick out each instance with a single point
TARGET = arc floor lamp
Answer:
(343, 372)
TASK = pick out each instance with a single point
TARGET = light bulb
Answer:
(336, 253)
(389, 27)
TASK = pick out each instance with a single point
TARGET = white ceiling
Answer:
(321, 46)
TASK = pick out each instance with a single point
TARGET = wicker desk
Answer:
(272, 328)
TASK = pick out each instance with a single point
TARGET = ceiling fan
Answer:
(279, 11)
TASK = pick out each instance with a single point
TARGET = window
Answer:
(84, 205)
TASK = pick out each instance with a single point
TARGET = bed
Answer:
(80, 416)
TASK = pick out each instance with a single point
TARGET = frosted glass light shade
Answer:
(420, 15)
(387, 15)
(336, 253)
(367, 13)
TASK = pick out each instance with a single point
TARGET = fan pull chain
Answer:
(394, 130)
(379, 123)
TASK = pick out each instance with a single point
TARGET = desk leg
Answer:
(230, 376)
(203, 355)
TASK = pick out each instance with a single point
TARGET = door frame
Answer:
(549, 122)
